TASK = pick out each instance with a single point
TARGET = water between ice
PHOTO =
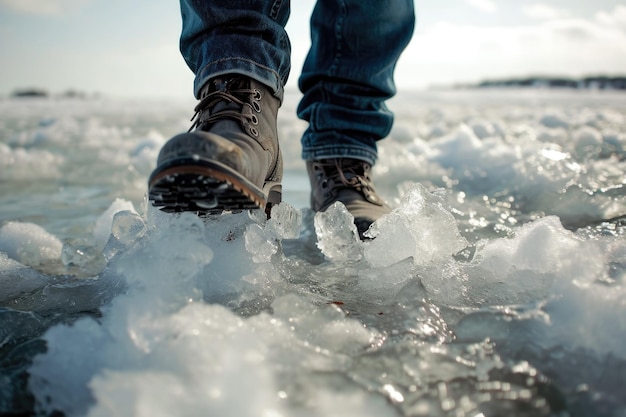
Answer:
(471, 298)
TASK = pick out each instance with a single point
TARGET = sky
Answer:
(129, 48)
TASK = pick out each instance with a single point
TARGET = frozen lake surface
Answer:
(497, 287)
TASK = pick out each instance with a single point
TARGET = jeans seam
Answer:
(275, 8)
(338, 37)
(319, 106)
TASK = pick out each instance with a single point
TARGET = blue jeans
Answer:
(347, 75)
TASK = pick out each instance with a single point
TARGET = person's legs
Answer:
(347, 76)
(232, 36)
(240, 54)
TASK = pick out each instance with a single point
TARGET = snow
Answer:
(496, 283)
(29, 243)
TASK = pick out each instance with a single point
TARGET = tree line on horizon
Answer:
(591, 83)
(600, 82)
(43, 93)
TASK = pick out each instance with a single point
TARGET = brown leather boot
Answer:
(231, 161)
(347, 181)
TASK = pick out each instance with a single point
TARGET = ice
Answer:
(127, 226)
(17, 279)
(147, 150)
(422, 229)
(28, 290)
(263, 241)
(147, 335)
(461, 147)
(337, 235)
(588, 142)
(81, 255)
(485, 129)
(102, 226)
(233, 359)
(527, 266)
(256, 244)
(147, 368)
(541, 264)
(324, 328)
(383, 284)
(285, 222)
(29, 244)
(114, 230)
(543, 246)
(496, 285)
(70, 348)
(554, 119)
(19, 164)
(483, 165)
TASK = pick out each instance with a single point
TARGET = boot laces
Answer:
(346, 173)
(357, 180)
(233, 93)
(334, 175)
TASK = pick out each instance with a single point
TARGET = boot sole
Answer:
(208, 189)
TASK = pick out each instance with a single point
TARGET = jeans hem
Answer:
(328, 152)
(241, 66)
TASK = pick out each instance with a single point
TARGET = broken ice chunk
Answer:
(337, 236)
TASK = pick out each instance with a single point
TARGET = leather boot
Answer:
(348, 181)
(229, 160)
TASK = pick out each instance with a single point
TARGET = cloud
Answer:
(44, 7)
(447, 53)
(615, 19)
(542, 11)
(483, 5)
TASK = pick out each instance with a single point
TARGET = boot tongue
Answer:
(228, 85)
(219, 84)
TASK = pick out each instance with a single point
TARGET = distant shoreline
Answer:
(585, 83)
(589, 83)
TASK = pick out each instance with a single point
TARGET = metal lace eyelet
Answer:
(254, 120)
(257, 94)
(256, 106)
(324, 184)
(254, 131)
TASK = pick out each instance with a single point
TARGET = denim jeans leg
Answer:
(348, 75)
(236, 36)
